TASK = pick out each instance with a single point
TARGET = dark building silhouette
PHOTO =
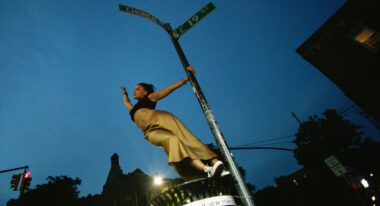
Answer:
(129, 189)
(292, 180)
(346, 48)
(138, 189)
(121, 189)
(133, 189)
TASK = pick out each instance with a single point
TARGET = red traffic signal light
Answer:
(14, 182)
(27, 175)
(26, 180)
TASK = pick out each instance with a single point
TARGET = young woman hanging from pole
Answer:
(186, 153)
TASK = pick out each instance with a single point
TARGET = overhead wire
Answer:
(274, 143)
(349, 109)
(267, 141)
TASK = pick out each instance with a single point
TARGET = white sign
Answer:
(224, 200)
(335, 166)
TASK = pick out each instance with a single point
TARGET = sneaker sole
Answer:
(218, 170)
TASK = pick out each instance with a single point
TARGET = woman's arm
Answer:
(155, 96)
(127, 101)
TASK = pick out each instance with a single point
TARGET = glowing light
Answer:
(27, 175)
(364, 183)
(373, 198)
(157, 180)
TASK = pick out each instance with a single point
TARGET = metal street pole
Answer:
(218, 136)
(22, 181)
(220, 141)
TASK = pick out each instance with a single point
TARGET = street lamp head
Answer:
(157, 180)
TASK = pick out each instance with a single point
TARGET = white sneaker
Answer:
(225, 173)
(217, 169)
(208, 170)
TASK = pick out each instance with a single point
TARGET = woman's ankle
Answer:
(214, 160)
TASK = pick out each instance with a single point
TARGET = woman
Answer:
(186, 153)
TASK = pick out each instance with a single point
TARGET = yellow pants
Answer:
(180, 145)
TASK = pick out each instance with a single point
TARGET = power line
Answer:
(274, 143)
(271, 148)
(349, 109)
(266, 140)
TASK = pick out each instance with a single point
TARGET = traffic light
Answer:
(14, 182)
(25, 182)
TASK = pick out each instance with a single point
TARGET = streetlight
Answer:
(154, 187)
(157, 180)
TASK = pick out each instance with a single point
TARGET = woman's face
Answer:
(139, 92)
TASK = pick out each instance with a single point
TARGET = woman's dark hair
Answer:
(147, 87)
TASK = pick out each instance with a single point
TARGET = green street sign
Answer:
(141, 13)
(193, 20)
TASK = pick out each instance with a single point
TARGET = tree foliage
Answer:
(58, 191)
(317, 139)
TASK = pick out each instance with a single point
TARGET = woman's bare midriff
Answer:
(142, 117)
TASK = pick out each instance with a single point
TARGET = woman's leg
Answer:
(214, 160)
(198, 165)
(190, 169)
(216, 169)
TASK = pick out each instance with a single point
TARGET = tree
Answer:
(268, 196)
(58, 191)
(319, 138)
(316, 139)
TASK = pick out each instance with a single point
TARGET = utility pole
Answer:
(295, 117)
(218, 136)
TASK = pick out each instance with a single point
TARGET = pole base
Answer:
(205, 192)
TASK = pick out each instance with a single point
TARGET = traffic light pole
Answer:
(220, 141)
(15, 169)
(22, 183)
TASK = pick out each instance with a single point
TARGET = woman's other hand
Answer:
(123, 90)
(190, 69)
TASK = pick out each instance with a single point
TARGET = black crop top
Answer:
(143, 103)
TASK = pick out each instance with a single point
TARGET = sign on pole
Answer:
(225, 200)
(141, 13)
(335, 166)
(193, 20)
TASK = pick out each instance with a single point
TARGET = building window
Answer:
(368, 38)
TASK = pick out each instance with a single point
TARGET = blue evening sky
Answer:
(62, 64)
